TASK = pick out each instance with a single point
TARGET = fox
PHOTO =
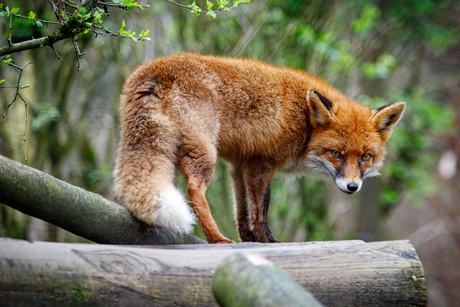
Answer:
(182, 112)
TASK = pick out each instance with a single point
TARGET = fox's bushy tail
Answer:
(145, 171)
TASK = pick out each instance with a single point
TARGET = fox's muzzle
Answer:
(349, 187)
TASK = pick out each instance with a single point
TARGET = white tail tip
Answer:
(173, 212)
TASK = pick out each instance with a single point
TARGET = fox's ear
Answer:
(321, 109)
(387, 116)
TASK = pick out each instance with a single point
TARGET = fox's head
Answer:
(348, 139)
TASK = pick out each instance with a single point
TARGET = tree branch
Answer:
(47, 40)
(33, 43)
(81, 212)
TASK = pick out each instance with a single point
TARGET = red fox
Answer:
(180, 113)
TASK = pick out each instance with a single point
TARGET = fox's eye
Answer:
(336, 154)
(366, 157)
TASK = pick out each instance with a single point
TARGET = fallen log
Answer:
(83, 213)
(344, 273)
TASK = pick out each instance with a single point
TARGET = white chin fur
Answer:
(173, 212)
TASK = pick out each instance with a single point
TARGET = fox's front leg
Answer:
(258, 177)
(241, 207)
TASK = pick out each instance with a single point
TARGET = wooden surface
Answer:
(344, 273)
(81, 212)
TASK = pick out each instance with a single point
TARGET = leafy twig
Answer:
(19, 87)
(124, 4)
(35, 19)
(221, 6)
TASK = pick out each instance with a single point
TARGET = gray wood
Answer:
(81, 212)
(247, 280)
(336, 273)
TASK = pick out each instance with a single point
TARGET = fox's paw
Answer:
(220, 240)
(226, 241)
(264, 235)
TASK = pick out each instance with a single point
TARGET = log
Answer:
(344, 273)
(247, 280)
(83, 213)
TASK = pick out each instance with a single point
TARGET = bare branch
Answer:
(71, 5)
(55, 52)
(10, 30)
(77, 51)
(34, 43)
(19, 87)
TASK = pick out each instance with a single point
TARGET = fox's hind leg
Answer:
(198, 162)
(241, 203)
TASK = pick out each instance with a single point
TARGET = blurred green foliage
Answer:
(376, 52)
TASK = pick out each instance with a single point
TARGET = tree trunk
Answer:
(347, 273)
(81, 212)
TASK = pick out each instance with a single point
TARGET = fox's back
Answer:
(246, 107)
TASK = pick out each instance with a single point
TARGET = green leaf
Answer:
(32, 15)
(14, 10)
(38, 23)
(144, 34)
(211, 14)
(195, 8)
(3, 80)
(7, 61)
(209, 4)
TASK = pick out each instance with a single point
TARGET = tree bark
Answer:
(81, 212)
(347, 273)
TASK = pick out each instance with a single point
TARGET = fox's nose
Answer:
(352, 186)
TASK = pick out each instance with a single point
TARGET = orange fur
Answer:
(182, 112)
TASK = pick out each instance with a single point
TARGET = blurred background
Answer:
(377, 52)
